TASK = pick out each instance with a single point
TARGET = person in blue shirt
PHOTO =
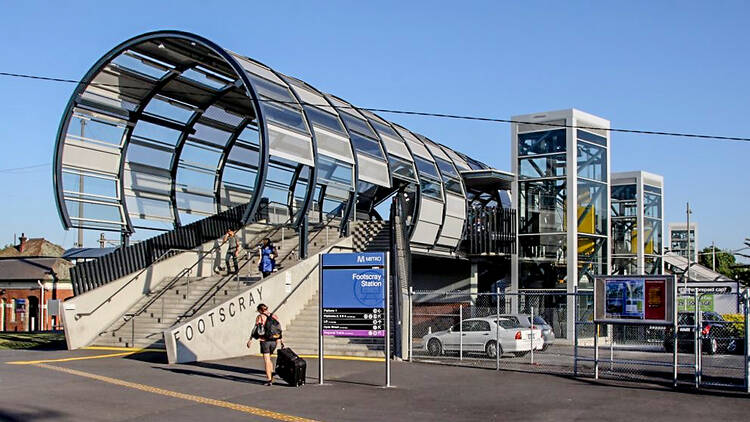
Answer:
(266, 257)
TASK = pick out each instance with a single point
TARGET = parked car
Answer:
(524, 320)
(716, 334)
(481, 335)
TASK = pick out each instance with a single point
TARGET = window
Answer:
(541, 142)
(284, 115)
(357, 125)
(592, 161)
(366, 145)
(431, 188)
(425, 167)
(481, 326)
(447, 168)
(324, 119)
(545, 166)
(401, 168)
(590, 137)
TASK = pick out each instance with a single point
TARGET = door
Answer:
(479, 334)
(451, 340)
(33, 313)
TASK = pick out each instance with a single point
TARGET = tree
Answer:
(725, 261)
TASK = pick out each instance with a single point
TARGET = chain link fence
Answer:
(553, 332)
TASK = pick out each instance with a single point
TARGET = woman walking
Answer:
(267, 344)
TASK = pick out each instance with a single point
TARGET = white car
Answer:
(480, 335)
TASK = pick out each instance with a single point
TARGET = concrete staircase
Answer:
(302, 336)
(179, 299)
(143, 325)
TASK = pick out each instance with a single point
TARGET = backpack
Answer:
(272, 328)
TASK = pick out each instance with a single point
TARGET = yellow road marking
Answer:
(123, 349)
(34, 362)
(338, 357)
(197, 399)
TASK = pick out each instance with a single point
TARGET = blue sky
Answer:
(672, 66)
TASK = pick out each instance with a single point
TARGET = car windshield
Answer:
(539, 320)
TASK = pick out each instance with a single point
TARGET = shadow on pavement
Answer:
(36, 414)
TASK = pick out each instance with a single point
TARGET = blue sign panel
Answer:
(361, 259)
(353, 289)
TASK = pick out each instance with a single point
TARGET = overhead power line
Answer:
(15, 169)
(417, 113)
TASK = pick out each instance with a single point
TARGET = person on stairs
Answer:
(266, 257)
(233, 250)
(267, 329)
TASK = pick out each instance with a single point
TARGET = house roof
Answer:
(34, 248)
(34, 268)
(676, 264)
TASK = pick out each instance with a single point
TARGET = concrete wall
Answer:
(222, 332)
(82, 320)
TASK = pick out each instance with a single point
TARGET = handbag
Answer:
(258, 331)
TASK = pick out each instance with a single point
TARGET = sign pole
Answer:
(387, 324)
(675, 325)
(320, 319)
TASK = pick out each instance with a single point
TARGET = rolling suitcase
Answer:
(290, 367)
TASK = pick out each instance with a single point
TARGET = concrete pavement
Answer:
(143, 387)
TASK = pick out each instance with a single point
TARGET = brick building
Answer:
(32, 274)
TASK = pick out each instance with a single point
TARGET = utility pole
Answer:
(713, 256)
(687, 270)
(80, 196)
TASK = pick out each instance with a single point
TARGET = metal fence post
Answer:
(696, 338)
(611, 346)
(132, 331)
(497, 329)
(596, 351)
(575, 331)
(461, 331)
(532, 335)
(411, 324)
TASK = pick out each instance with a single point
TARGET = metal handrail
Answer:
(157, 260)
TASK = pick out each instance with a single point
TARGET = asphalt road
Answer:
(143, 387)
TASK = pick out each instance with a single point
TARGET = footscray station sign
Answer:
(354, 292)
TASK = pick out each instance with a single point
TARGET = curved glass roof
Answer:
(168, 127)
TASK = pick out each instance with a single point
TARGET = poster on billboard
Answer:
(634, 299)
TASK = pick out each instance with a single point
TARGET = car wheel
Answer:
(520, 354)
(712, 346)
(491, 349)
(434, 347)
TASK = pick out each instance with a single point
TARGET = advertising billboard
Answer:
(634, 299)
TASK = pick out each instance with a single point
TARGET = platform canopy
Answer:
(168, 128)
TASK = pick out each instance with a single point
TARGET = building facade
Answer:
(678, 240)
(637, 223)
(561, 162)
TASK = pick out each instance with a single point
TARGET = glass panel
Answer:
(425, 167)
(284, 115)
(326, 120)
(385, 130)
(550, 248)
(592, 162)
(99, 130)
(653, 189)
(149, 156)
(592, 259)
(624, 209)
(202, 79)
(625, 236)
(431, 189)
(221, 115)
(271, 90)
(247, 156)
(447, 168)
(542, 206)
(453, 185)
(210, 134)
(541, 142)
(332, 170)
(338, 147)
(624, 266)
(402, 168)
(164, 109)
(94, 186)
(651, 205)
(652, 241)
(590, 137)
(357, 125)
(140, 66)
(367, 145)
(592, 208)
(157, 133)
(545, 166)
(201, 156)
(624, 192)
(652, 265)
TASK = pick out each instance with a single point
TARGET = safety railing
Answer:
(490, 231)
